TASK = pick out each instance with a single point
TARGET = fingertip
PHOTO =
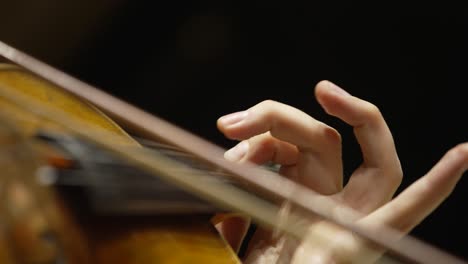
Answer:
(457, 157)
(221, 129)
(230, 124)
(220, 126)
(232, 119)
(322, 83)
(321, 87)
(237, 152)
(327, 87)
(330, 96)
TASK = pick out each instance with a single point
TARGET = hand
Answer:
(309, 152)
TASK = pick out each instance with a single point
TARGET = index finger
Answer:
(284, 122)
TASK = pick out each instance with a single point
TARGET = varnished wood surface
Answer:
(84, 239)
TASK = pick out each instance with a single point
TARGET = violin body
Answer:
(39, 224)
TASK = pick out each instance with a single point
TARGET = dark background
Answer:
(193, 61)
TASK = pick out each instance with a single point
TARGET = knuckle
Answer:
(267, 104)
(397, 174)
(332, 135)
(393, 175)
(264, 142)
(266, 109)
(372, 112)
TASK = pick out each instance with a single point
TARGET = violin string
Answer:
(191, 159)
(165, 149)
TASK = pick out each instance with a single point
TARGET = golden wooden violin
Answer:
(40, 228)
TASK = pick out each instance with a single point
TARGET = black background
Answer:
(192, 61)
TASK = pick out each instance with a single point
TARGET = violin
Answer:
(78, 188)
(39, 224)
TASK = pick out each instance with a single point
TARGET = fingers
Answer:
(289, 137)
(410, 207)
(380, 175)
(283, 122)
(264, 148)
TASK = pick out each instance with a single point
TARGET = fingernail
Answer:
(237, 152)
(233, 118)
(333, 87)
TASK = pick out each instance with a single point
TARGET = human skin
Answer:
(309, 152)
